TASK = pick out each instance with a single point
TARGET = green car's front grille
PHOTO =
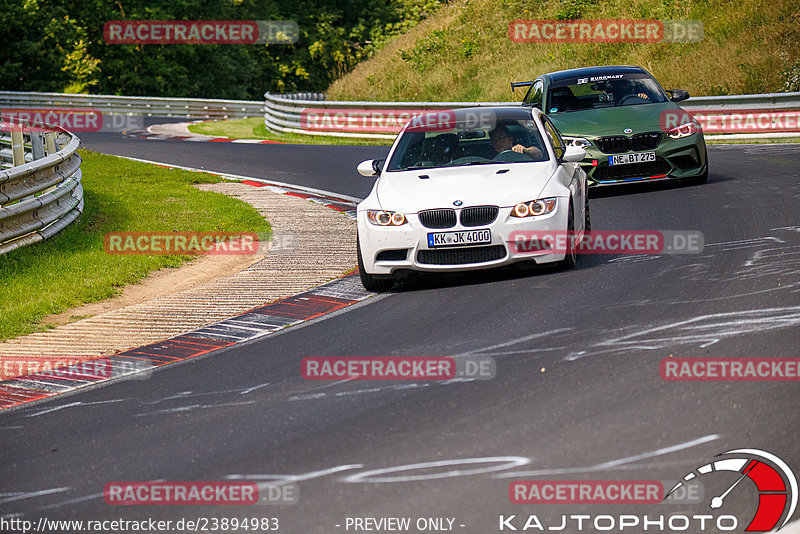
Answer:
(617, 144)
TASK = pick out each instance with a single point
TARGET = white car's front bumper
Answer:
(412, 238)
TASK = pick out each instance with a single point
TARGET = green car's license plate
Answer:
(636, 157)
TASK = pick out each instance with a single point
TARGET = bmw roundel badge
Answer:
(457, 203)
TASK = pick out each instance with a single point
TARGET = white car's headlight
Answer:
(580, 142)
(386, 218)
(684, 130)
(534, 208)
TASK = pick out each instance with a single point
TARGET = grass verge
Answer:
(463, 52)
(119, 195)
(253, 128)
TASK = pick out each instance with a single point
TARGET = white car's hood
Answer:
(474, 185)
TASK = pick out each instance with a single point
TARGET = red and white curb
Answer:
(145, 134)
(258, 322)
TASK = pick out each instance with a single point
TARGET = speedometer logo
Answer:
(776, 484)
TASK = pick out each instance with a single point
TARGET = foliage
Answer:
(58, 45)
(463, 52)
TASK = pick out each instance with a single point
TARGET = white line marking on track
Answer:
(614, 464)
(248, 390)
(31, 494)
(71, 404)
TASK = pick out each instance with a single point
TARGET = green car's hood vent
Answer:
(612, 121)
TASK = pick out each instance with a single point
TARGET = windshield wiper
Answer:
(414, 168)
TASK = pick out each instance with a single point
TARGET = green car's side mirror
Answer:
(678, 94)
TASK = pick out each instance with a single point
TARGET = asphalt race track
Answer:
(577, 394)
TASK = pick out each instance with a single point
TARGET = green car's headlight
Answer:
(684, 130)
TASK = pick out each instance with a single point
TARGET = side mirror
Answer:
(678, 94)
(370, 167)
(574, 154)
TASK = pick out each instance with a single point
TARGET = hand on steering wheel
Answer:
(640, 96)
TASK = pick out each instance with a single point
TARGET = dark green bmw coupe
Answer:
(631, 128)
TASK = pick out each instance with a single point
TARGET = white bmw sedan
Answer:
(468, 189)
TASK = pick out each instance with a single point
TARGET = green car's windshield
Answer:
(608, 90)
(507, 141)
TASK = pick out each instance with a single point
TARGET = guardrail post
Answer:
(37, 145)
(50, 142)
(17, 147)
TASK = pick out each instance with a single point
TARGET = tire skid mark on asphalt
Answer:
(772, 257)
(704, 330)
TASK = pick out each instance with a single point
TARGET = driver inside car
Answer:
(627, 88)
(502, 140)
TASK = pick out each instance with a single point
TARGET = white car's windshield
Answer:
(506, 141)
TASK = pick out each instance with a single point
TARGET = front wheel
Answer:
(700, 178)
(587, 226)
(372, 282)
(571, 257)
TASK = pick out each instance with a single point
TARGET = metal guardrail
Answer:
(40, 185)
(762, 101)
(189, 108)
(289, 114)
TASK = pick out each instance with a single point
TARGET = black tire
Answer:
(372, 282)
(588, 223)
(569, 261)
(700, 178)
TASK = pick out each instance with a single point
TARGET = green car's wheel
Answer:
(700, 178)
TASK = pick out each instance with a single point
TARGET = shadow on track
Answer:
(649, 187)
(420, 281)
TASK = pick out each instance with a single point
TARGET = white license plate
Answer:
(460, 238)
(636, 157)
